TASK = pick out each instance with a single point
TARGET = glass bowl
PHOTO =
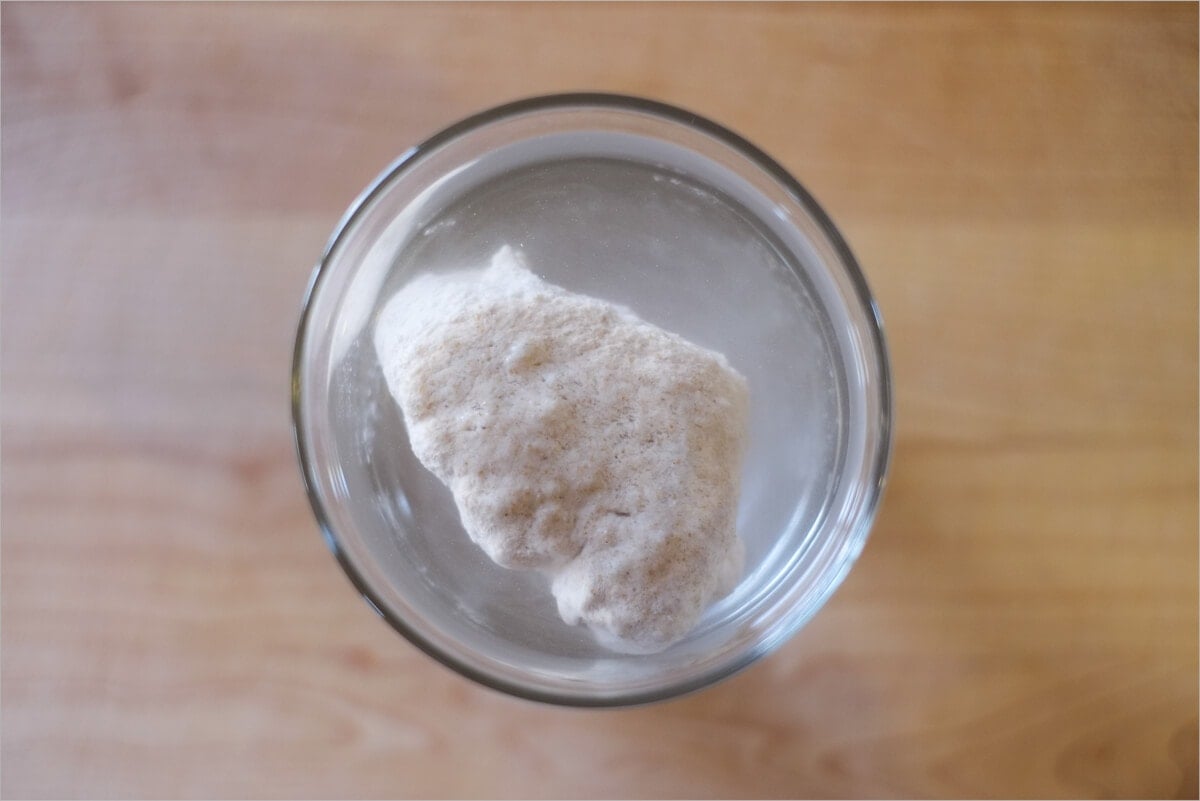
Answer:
(698, 232)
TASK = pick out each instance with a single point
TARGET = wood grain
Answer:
(1020, 182)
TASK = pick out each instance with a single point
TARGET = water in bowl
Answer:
(683, 255)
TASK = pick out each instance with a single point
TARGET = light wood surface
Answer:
(1020, 183)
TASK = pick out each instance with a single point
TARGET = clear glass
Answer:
(698, 232)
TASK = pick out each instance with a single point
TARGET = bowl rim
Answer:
(673, 115)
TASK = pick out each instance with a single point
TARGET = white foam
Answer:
(577, 440)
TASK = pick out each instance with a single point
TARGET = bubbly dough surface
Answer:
(577, 440)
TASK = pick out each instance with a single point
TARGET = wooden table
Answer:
(1020, 183)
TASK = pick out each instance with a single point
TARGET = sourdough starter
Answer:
(578, 440)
